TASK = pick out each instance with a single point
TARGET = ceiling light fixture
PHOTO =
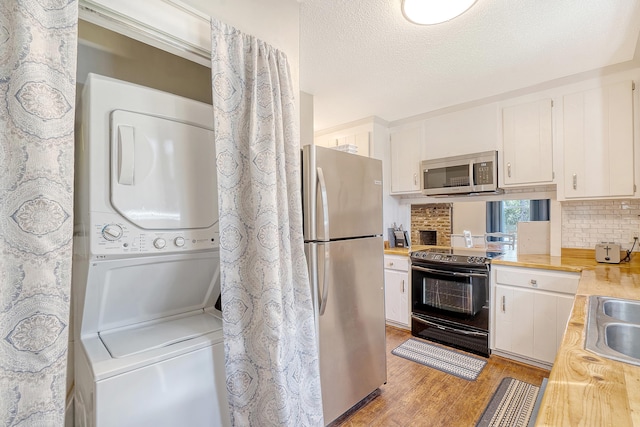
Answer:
(429, 12)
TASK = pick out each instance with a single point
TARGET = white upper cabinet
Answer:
(527, 144)
(406, 154)
(598, 142)
(356, 142)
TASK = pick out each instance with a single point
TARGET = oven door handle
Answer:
(449, 273)
(446, 328)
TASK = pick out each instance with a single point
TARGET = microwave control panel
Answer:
(483, 173)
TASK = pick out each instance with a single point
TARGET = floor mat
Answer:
(511, 405)
(449, 361)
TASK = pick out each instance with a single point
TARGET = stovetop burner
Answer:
(460, 256)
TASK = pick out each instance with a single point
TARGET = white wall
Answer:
(276, 22)
(306, 118)
(471, 216)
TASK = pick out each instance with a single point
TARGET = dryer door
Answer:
(163, 173)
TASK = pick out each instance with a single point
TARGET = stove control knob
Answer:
(159, 243)
(112, 232)
(179, 241)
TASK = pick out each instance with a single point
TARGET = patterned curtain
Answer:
(270, 337)
(37, 102)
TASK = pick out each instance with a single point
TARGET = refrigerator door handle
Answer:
(325, 282)
(325, 203)
(325, 215)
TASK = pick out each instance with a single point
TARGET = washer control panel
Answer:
(110, 235)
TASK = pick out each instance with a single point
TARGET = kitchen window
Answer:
(503, 216)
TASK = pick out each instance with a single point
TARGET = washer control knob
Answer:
(112, 232)
(159, 243)
(179, 241)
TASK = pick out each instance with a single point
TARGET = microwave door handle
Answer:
(448, 273)
(445, 328)
(472, 181)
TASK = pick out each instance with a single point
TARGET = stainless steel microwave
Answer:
(460, 175)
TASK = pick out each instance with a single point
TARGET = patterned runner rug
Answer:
(449, 361)
(511, 405)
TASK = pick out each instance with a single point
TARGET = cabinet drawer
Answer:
(396, 262)
(554, 281)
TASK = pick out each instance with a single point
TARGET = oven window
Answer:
(452, 295)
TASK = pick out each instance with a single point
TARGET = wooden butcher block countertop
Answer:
(585, 389)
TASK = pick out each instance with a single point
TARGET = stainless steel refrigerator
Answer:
(342, 205)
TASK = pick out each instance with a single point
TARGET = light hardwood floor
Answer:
(416, 395)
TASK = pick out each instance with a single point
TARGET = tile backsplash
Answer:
(586, 223)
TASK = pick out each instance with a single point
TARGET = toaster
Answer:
(608, 252)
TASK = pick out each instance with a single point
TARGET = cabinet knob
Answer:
(575, 181)
(534, 283)
(509, 169)
(415, 179)
(504, 304)
(403, 286)
(391, 264)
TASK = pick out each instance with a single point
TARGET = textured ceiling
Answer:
(361, 58)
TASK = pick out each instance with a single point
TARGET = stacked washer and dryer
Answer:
(148, 338)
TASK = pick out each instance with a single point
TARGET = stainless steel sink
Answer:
(625, 310)
(613, 329)
(623, 338)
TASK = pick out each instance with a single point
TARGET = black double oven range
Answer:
(450, 297)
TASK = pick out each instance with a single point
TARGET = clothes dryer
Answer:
(148, 338)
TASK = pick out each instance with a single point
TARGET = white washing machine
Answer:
(148, 338)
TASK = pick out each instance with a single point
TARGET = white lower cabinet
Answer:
(396, 290)
(531, 308)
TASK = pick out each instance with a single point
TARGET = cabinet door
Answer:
(396, 287)
(563, 307)
(598, 142)
(503, 318)
(545, 327)
(325, 141)
(530, 323)
(406, 149)
(527, 143)
(551, 315)
(514, 320)
(362, 141)
(359, 140)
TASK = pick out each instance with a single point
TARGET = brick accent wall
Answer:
(435, 216)
(589, 222)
